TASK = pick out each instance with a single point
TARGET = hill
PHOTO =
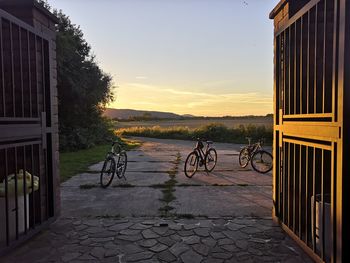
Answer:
(127, 114)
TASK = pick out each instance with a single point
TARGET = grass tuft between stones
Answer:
(169, 188)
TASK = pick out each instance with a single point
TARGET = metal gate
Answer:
(26, 189)
(308, 128)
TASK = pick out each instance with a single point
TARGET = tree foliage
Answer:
(83, 88)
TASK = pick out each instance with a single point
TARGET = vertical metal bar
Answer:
(334, 62)
(289, 69)
(40, 185)
(301, 66)
(43, 75)
(12, 73)
(308, 64)
(284, 183)
(295, 187)
(283, 88)
(29, 77)
(314, 201)
(21, 66)
(300, 190)
(36, 74)
(25, 190)
(7, 201)
(324, 57)
(280, 177)
(2, 68)
(289, 173)
(332, 199)
(16, 190)
(295, 68)
(322, 228)
(315, 73)
(306, 194)
(32, 194)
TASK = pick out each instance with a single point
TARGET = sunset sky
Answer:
(201, 57)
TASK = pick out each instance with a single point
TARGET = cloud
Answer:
(141, 77)
(151, 97)
(143, 103)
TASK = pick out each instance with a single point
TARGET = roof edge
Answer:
(29, 4)
(278, 8)
(46, 12)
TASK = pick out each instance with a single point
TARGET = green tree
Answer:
(83, 88)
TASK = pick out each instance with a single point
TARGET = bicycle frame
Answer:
(201, 152)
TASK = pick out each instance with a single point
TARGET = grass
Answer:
(216, 131)
(169, 188)
(72, 163)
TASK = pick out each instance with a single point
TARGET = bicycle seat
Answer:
(210, 142)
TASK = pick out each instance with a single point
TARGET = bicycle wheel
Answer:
(122, 163)
(191, 164)
(244, 157)
(107, 172)
(262, 161)
(211, 158)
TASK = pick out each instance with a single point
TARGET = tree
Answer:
(83, 88)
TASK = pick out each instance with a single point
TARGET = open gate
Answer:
(308, 124)
(26, 134)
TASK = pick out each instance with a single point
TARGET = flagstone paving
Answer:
(224, 216)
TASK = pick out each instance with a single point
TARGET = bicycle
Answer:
(199, 157)
(116, 162)
(260, 160)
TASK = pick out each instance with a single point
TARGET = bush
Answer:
(74, 138)
(216, 132)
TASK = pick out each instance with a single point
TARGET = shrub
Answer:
(74, 138)
(216, 132)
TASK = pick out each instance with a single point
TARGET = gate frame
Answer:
(31, 16)
(336, 131)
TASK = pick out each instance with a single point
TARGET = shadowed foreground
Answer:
(159, 215)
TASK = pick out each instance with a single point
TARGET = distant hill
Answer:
(125, 114)
(140, 115)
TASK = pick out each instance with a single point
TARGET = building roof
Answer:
(278, 8)
(29, 3)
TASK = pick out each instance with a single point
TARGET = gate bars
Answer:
(25, 113)
(308, 129)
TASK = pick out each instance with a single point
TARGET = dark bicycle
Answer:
(200, 157)
(115, 162)
(260, 159)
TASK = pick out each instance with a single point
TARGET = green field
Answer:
(231, 131)
(196, 123)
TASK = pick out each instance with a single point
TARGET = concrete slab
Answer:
(223, 201)
(95, 202)
(142, 178)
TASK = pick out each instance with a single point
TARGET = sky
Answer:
(200, 57)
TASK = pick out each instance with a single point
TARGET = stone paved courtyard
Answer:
(159, 215)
